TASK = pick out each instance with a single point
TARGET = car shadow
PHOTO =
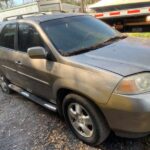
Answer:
(118, 143)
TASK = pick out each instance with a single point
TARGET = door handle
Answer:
(18, 62)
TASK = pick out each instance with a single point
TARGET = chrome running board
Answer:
(34, 98)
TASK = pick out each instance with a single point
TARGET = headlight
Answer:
(135, 84)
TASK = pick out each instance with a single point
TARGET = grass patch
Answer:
(144, 35)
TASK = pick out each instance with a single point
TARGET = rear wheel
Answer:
(85, 120)
(4, 85)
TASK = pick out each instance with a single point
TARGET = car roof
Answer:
(43, 18)
(38, 18)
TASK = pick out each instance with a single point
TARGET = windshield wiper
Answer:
(115, 38)
(93, 47)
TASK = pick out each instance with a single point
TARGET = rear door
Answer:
(8, 53)
(33, 73)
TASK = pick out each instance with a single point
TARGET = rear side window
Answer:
(28, 37)
(7, 37)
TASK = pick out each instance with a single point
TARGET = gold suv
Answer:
(76, 65)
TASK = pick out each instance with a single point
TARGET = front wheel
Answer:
(85, 120)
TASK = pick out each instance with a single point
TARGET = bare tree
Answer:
(82, 3)
(79, 1)
(6, 3)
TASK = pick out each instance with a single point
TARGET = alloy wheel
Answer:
(80, 119)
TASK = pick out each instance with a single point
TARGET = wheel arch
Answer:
(62, 92)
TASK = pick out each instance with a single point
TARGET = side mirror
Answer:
(37, 53)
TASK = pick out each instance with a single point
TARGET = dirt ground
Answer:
(27, 126)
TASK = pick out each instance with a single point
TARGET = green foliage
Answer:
(144, 35)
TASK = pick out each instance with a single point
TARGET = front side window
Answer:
(28, 37)
(7, 38)
(76, 33)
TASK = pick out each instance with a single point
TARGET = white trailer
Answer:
(39, 6)
(125, 15)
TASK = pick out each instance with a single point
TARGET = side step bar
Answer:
(34, 98)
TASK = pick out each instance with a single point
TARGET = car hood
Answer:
(124, 57)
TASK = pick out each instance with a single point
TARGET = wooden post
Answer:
(82, 6)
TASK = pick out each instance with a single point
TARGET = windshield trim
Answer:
(55, 19)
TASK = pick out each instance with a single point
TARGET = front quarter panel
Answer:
(97, 85)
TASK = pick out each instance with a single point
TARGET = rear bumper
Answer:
(129, 115)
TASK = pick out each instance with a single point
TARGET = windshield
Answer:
(77, 33)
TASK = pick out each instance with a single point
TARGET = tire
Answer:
(4, 85)
(93, 129)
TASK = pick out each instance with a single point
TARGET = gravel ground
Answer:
(27, 126)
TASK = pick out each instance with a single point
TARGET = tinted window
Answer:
(7, 38)
(74, 33)
(28, 37)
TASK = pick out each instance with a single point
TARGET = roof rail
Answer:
(17, 17)
(21, 16)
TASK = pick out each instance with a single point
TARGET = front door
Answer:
(34, 74)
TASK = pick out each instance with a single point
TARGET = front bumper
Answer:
(129, 113)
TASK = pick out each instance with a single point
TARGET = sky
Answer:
(18, 1)
(21, 1)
